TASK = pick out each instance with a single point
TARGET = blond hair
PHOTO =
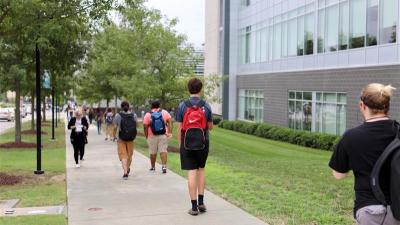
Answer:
(377, 97)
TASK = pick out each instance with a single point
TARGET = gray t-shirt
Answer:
(117, 118)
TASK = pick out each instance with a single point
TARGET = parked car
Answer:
(7, 114)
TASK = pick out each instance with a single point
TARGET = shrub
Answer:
(216, 120)
(262, 130)
(284, 134)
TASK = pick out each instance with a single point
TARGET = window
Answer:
(300, 36)
(372, 22)
(344, 25)
(309, 34)
(242, 48)
(277, 45)
(257, 45)
(358, 18)
(247, 44)
(270, 41)
(388, 25)
(284, 39)
(246, 2)
(332, 28)
(292, 37)
(251, 105)
(321, 30)
(330, 111)
(264, 44)
(300, 110)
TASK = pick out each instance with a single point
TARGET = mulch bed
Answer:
(18, 145)
(6, 179)
(33, 132)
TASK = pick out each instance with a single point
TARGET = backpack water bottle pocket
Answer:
(194, 139)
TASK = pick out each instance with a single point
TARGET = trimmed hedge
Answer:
(216, 120)
(304, 138)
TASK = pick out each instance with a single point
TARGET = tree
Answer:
(141, 59)
(25, 24)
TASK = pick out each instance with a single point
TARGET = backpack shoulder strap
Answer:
(375, 175)
(202, 103)
(188, 104)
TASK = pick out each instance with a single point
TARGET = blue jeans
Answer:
(99, 127)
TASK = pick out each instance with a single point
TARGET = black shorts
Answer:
(193, 160)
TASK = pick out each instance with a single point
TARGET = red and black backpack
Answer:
(194, 126)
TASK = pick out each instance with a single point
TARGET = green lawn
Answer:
(277, 182)
(48, 189)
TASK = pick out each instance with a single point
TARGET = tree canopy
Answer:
(142, 58)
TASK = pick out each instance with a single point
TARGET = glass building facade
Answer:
(303, 63)
(321, 26)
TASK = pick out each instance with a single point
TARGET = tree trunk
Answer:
(44, 109)
(33, 109)
(18, 112)
(108, 103)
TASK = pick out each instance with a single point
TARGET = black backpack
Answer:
(391, 155)
(127, 131)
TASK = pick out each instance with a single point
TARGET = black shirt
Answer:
(358, 150)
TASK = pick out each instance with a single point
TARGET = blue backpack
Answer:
(157, 124)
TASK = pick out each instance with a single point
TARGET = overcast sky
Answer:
(190, 13)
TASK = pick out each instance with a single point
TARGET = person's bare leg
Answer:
(201, 181)
(125, 167)
(192, 184)
(130, 149)
(153, 159)
(164, 158)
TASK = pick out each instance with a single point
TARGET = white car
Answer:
(7, 114)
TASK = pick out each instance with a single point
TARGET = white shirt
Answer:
(78, 125)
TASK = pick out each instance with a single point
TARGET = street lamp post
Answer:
(56, 111)
(38, 116)
(52, 111)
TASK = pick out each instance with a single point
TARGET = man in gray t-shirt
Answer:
(125, 120)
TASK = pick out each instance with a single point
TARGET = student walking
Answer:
(109, 125)
(125, 121)
(99, 119)
(79, 126)
(359, 151)
(194, 119)
(91, 115)
(157, 125)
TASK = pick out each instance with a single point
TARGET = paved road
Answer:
(5, 125)
(98, 196)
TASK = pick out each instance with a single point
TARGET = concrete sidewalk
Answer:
(97, 195)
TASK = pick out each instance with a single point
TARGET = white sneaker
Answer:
(78, 166)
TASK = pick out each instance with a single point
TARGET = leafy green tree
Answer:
(141, 59)
(61, 29)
